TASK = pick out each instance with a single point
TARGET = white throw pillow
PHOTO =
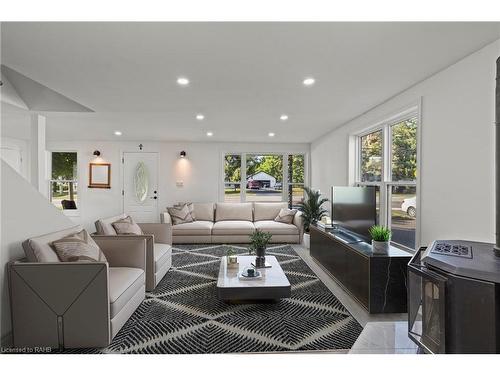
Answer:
(285, 216)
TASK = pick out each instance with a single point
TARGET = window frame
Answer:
(75, 179)
(386, 184)
(243, 171)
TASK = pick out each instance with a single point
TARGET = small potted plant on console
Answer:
(381, 237)
(258, 244)
(312, 211)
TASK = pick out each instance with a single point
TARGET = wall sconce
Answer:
(183, 154)
(97, 153)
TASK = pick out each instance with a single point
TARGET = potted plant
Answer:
(232, 259)
(258, 244)
(381, 236)
(312, 210)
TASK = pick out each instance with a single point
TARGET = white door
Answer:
(140, 186)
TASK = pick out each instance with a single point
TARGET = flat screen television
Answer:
(354, 209)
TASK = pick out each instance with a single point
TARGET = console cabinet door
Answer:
(358, 274)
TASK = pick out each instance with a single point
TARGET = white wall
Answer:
(457, 158)
(200, 171)
(22, 146)
(25, 213)
(15, 133)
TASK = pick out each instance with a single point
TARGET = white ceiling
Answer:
(243, 75)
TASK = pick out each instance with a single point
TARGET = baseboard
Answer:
(6, 340)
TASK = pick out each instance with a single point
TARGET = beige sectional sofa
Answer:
(234, 222)
(75, 304)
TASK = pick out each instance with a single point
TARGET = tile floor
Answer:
(382, 333)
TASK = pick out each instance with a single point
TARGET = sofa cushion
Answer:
(124, 282)
(233, 211)
(162, 253)
(39, 249)
(236, 227)
(275, 227)
(196, 228)
(285, 216)
(180, 214)
(127, 226)
(105, 226)
(204, 211)
(268, 210)
(78, 247)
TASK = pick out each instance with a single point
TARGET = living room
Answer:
(249, 187)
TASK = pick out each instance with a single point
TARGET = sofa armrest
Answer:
(299, 223)
(60, 304)
(165, 218)
(124, 250)
(162, 232)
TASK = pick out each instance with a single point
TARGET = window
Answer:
(232, 178)
(264, 178)
(371, 157)
(261, 177)
(64, 182)
(387, 159)
(295, 179)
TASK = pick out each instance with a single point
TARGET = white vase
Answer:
(306, 241)
(380, 247)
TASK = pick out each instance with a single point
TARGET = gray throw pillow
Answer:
(285, 216)
(180, 214)
(127, 226)
(78, 247)
(190, 207)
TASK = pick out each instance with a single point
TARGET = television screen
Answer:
(354, 209)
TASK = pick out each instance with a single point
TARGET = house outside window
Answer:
(264, 177)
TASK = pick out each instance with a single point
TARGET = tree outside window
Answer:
(63, 183)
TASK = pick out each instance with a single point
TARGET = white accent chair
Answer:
(74, 304)
(158, 246)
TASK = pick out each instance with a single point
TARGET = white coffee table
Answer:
(273, 284)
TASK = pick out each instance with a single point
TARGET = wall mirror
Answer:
(100, 175)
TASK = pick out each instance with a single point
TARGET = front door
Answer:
(140, 186)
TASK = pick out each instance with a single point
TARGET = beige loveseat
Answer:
(158, 246)
(74, 304)
(234, 222)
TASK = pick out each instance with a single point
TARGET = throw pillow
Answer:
(127, 226)
(78, 247)
(285, 216)
(190, 208)
(180, 214)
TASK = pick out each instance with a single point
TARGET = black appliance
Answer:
(354, 209)
(453, 298)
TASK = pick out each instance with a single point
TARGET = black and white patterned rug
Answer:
(184, 316)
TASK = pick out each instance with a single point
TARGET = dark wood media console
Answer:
(377, 282)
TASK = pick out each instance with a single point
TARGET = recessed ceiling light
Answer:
(284, 117)
(182, 81)
(271, 134)
(118, 132)
(309, 81)
(200, 116)
(209, 134)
